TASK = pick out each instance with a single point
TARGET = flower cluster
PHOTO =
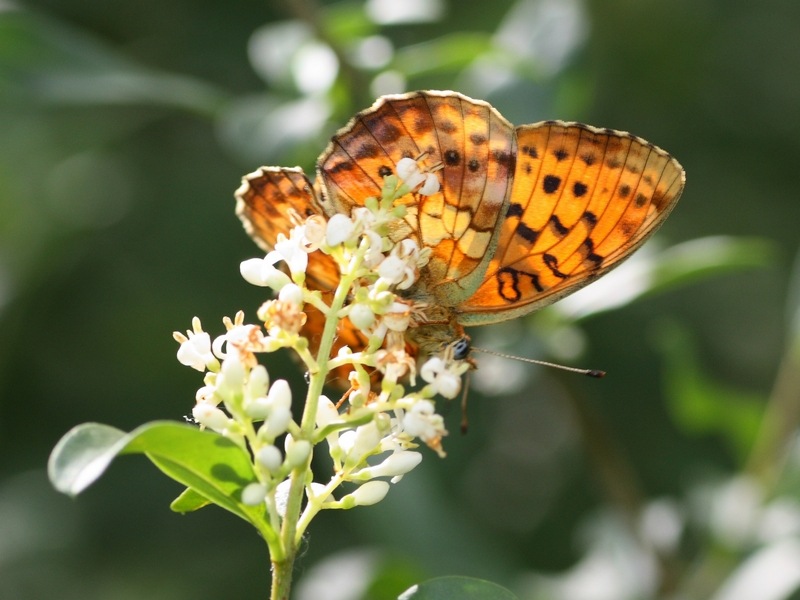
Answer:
(372, 436)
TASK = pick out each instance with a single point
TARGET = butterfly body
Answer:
(523, 216)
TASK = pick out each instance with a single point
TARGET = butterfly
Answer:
(523, 217)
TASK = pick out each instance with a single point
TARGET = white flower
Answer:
(262, 272)
(294, 250)
(400, 267)
(241, 340)
(255, 392)
(374, 254)
(444, 377)
(422, 421)
(316, 229)
(369, 493)
(291, 293)
(397, 317)
(392, 269)
(256, 408)
(276, 424)
(360, 443)
(340, 229)
(327, 414)
(409, 171)
(195, 350)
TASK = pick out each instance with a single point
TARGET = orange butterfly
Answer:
(523, 217)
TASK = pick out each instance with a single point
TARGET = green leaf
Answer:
(81, 456)
(703, 257)
(457, 588)
(189, 501)
(211, 465)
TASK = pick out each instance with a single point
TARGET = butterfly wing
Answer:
(474, 146)
(272, 200)
(583, 200)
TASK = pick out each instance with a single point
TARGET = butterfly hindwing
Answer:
(583, 200)
(271, 201)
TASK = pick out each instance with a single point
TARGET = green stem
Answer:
(290, 536)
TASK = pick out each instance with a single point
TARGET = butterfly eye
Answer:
(461, 348)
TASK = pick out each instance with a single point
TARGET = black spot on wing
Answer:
(452, 158)
(551, 184)
(552, 264)
(514, 210)
(526, 233)
(558, 226)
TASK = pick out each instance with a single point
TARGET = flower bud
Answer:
(257, 382)
(270, 458)
(210, 416)
(326, 412)
(253, 494)
(297, 453)
(280, 395)
(257, 408)
(364, 442)
(431, 185)
(362, 316)
(230, 382)
(340, 229)
(397, 463)
(277, 423)
(369, 493)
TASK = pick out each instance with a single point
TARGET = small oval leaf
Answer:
(82, 455)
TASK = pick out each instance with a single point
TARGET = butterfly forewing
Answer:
(583, 199)
(467, 143)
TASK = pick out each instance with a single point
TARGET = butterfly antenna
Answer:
(589, 372)
(464, 419)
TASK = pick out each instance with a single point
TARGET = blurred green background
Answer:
(125, 127)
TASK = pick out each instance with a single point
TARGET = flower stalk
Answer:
(372, 432)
